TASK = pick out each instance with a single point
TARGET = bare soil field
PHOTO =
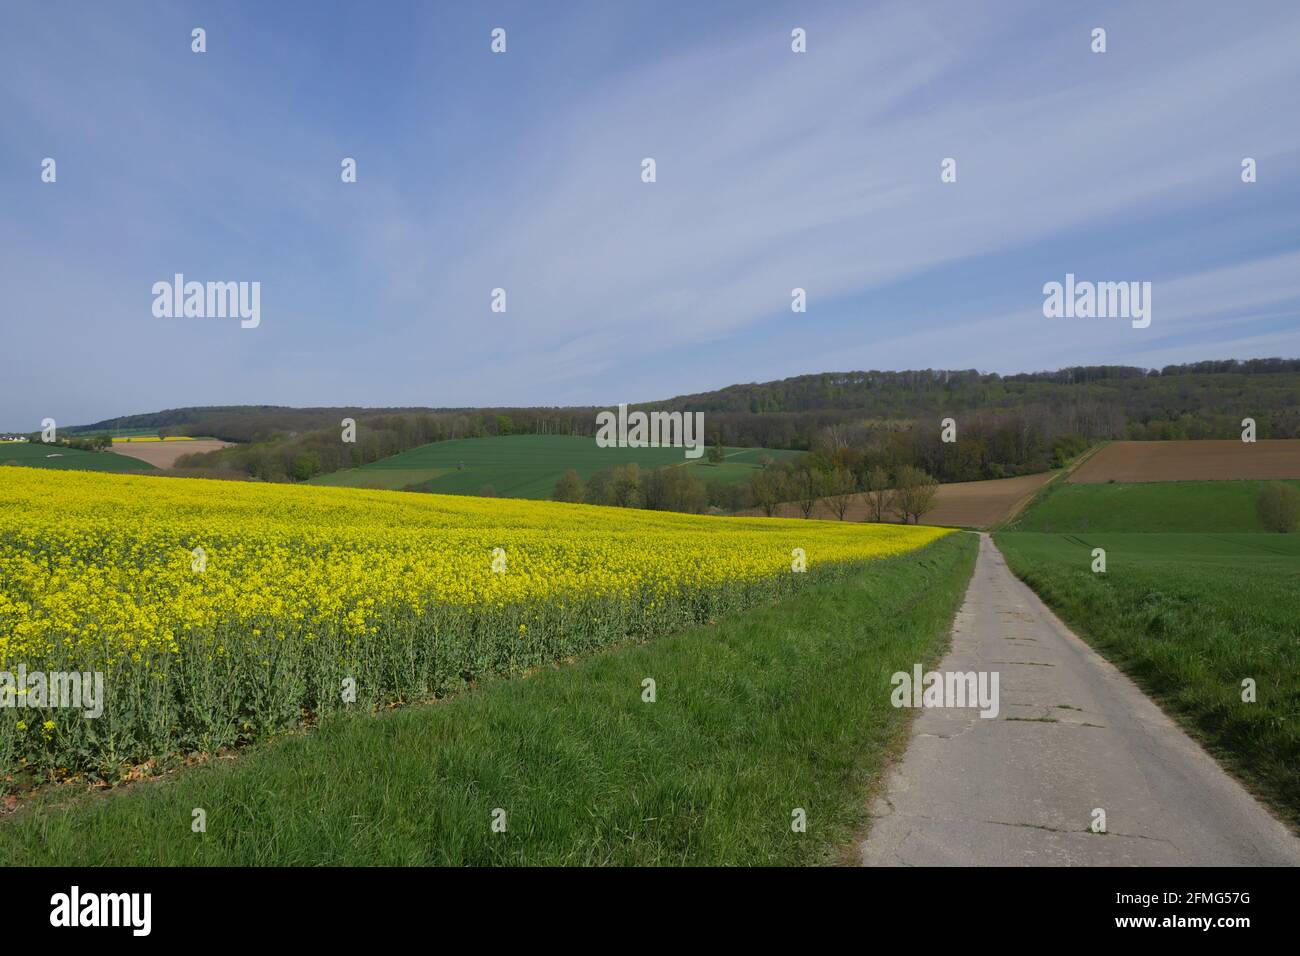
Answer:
(163, 454)
(964, 504)
(1191, 461)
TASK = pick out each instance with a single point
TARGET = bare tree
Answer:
(809, 485)
(765, 487)
(841, 487)
(898, 500)
(834, 438)
(876, 481)
(915, 494)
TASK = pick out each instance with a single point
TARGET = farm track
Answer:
(1073, 735)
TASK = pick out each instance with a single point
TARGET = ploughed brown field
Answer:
(964, 504)
(163, 454)
(1191, 461)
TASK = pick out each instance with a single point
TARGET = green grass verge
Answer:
(782, 707)
(1157, 506)
(528, 466)
(1190, 616)
(40, 455)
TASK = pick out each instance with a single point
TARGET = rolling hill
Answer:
(39, 455)
(527, 466)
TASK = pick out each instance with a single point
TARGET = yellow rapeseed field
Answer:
(221, 609)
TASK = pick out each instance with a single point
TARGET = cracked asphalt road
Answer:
(1073, 734)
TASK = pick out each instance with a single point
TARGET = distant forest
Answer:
(1006, 424)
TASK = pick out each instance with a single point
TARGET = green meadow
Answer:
(39, 455)
(1195, 506)
(528, 466)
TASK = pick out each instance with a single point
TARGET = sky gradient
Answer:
(522, 170)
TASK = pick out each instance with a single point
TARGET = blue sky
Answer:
(775, 170)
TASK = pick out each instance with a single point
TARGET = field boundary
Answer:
(1058, 480)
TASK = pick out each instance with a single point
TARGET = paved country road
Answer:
(1073, 734)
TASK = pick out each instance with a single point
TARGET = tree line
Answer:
(907, 493)
(670, 488)
(1007, 425)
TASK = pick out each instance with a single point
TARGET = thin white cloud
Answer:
(776, 170)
